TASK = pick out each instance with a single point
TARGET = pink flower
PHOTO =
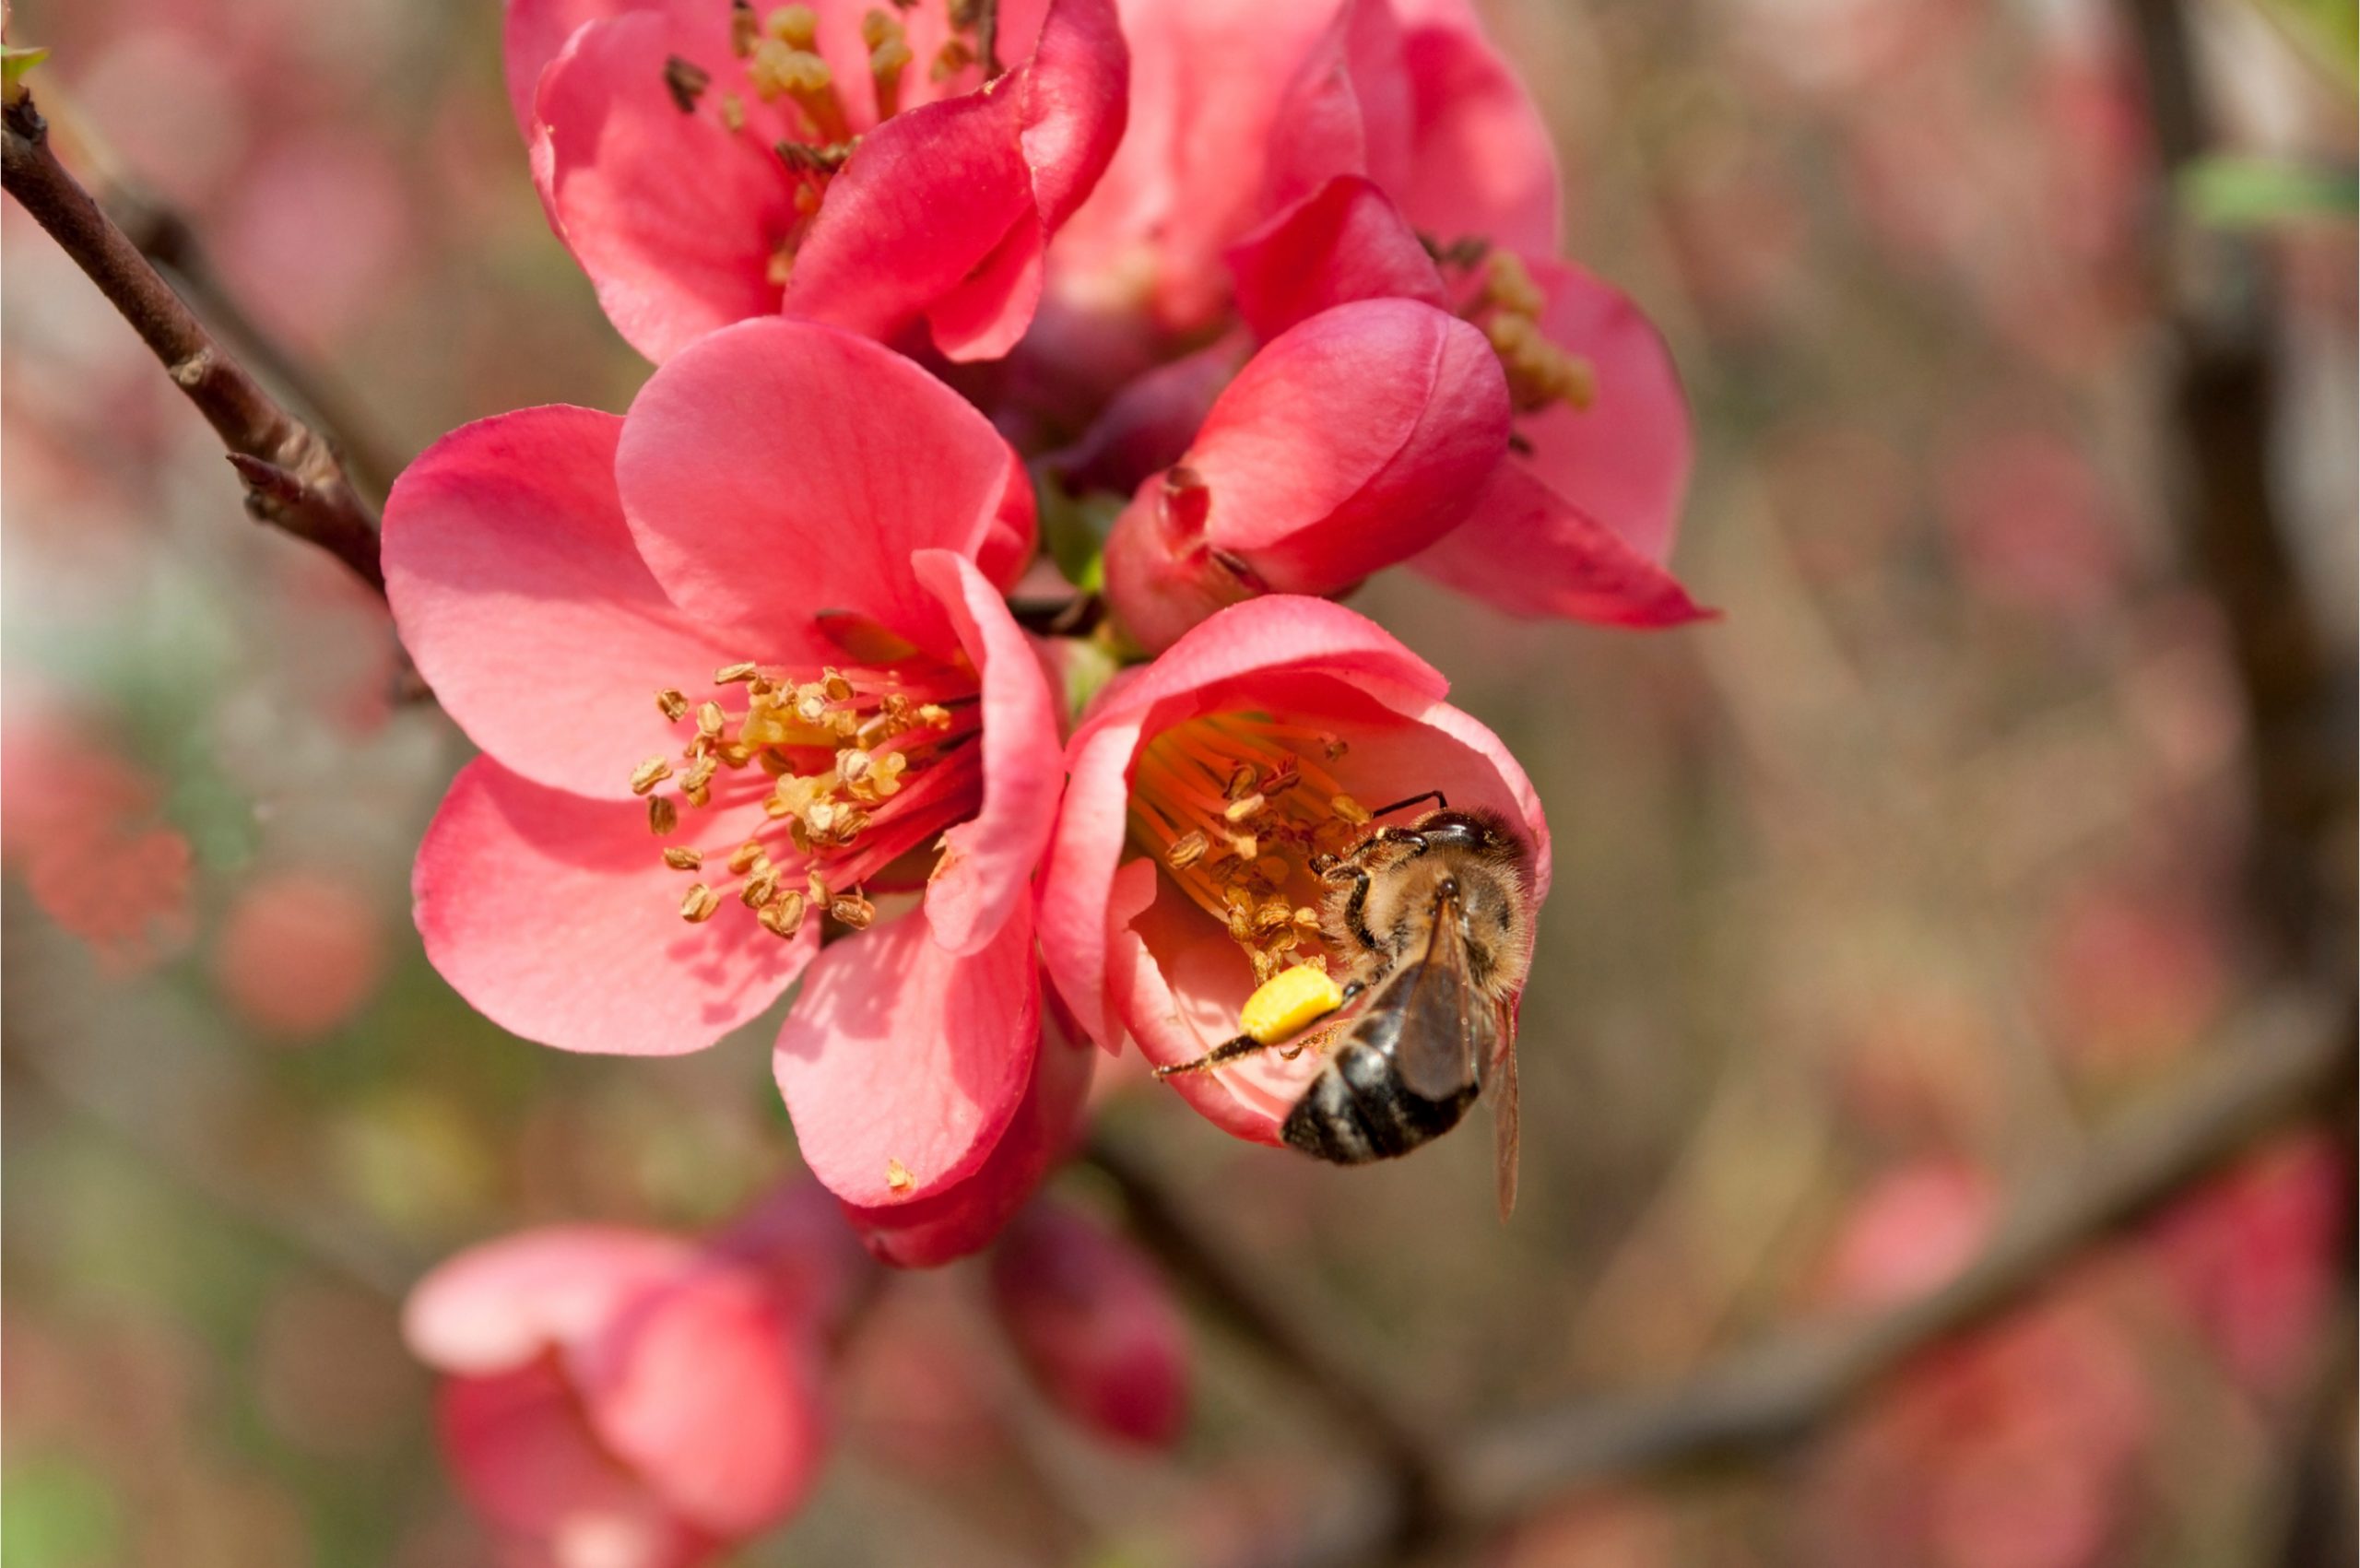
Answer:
(1393, 156)
(623, 1399)
(852, 165)
(1094, 1324)
(1355, 440)
(809, 533)
(1323, 716)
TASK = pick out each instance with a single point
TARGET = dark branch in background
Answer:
(2222, 413)
(1408, 1515)
(293, 478)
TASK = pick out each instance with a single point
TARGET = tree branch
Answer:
(293, 478)
(2293, 1062)
(1406, 1514)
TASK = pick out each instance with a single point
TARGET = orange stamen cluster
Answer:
(829, 759)
(1235, 805)
(1508, 304)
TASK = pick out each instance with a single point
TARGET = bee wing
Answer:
(1504, 1127)
(1444, 1031)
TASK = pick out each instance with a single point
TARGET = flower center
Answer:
(852, 768)
(781, 65)
(1235, 805)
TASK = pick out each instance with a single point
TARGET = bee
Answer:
(1434, 928)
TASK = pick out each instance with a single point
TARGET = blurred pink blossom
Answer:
(299, 952)
(1094, 1323)
(621, 1399)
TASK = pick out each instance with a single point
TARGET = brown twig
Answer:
(1406, 1515)
(2295, 1062)
(293, 478)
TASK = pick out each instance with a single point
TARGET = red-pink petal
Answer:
(967, 1216)
(777, 469)
(1094, 1323)
(1482, 164)
(1625, 459)
(524, 1457)
(901, 1064)
(1343, 242)
(535, 30)
(555, 916)
(711, 1396)
(1350, 442)
(674, 217)
(522, 597)
(1528, 552)
(986, 865)
(1260, 638)
(1348, 112)
(505, 1302)
(1076, 94)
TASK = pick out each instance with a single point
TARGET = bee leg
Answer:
(1227, 1051)
(1356, 909)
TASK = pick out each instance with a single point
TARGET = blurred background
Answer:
(1875, 901)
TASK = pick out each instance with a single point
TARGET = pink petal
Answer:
(501, 1304)
(705, 1390)
(927, 200)
(1625, 459)
(1528, 552)
(777, 469)
(1483, 163)
(898, 1054)
(556, 918)
(1348, 112)
(674, 217)
(523, 1456)
(968, 1215)
(1345, 242)
(1095, 1324)
(1076, 92)
(1260, 638)
(988, 863)
(520, 595)
(1207, 80)
(1351, 441)
(532, 33)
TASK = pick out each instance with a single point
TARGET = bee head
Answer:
(1485, 833)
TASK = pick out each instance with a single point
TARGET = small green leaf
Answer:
(1075, 528)
(2252, 192)
(16, 62)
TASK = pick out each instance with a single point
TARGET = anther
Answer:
(730, 674)
(934, 716)
(1351, 811)
(733, 112)
(798, 27)
(710, 720)
(852, 911)
(758, 891)
(746, 857)
(648, 774)
(673, 705)
(663, 817)
(783, 916)
(680, 859)
(1243, 808)
(698, 903)
(951, 59)
(1187, 849)
(1507, 284)
(898, 1177)
(745, 28)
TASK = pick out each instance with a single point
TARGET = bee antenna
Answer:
(1433, 795)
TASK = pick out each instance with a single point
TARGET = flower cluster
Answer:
(948, 624)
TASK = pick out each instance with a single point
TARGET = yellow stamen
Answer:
(798, 27)
(697, 905)
(898, 1177)
(683, 859)
(672, 704)
(648, 774)
(663, 817)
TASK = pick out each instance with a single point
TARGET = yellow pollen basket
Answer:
(1287, 1001)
